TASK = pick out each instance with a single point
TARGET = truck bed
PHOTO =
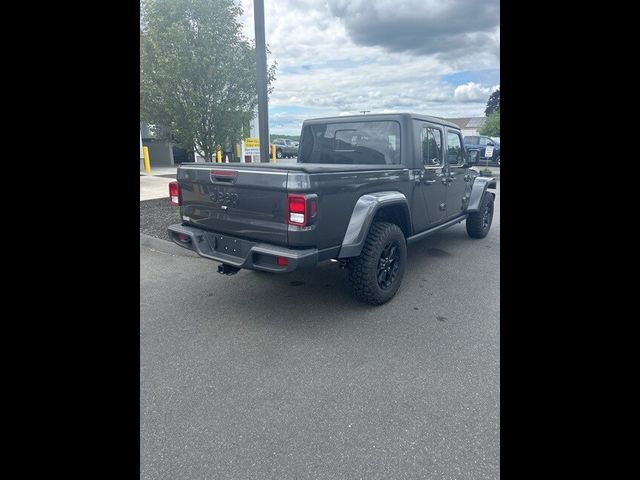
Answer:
(250, 201)
(297, 167)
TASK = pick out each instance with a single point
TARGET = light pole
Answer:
(261, 80)
(364, 112)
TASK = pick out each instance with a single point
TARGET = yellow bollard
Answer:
(219, 156)
(273, 153)
(147, 161)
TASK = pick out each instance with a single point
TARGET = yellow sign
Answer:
(252, 142)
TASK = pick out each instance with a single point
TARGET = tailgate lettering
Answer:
(224, 198)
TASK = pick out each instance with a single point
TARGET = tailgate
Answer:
(240, 201)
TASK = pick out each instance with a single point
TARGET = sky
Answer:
(337, 57)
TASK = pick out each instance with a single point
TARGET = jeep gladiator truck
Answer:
(363, 188)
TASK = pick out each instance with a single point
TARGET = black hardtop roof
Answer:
(381, 116)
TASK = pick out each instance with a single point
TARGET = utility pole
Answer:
(261, 80)
(364, 112)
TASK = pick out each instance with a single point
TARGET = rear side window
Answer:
(375, 142)
(431, 147)
(454, 149)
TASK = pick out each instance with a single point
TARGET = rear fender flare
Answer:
(362, 216)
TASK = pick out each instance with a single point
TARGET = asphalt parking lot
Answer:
(289, 377)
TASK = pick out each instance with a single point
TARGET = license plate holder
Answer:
(228, 245)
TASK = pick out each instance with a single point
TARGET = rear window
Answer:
(375, 142)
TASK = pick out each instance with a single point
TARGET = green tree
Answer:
(493, 104)
(197, 72)
(275, 136)
(491, 125)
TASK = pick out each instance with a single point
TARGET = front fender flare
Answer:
(362, 216)
(480, 185)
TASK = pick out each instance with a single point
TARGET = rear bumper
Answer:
(241, 253)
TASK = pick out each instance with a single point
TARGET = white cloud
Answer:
(473, 92)
(325, 70)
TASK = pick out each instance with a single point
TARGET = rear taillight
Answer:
(174, 193)
(282, 261)
(303, 209)
(297, 209)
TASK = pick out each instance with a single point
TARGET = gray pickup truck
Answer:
(285, 148)
(363, 187)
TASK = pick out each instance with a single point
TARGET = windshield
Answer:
(496, 140)
(375, 142)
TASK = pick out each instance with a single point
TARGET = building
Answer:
(163, 153)
(160, 151)
(470, 126)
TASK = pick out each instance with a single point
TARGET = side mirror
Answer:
(490, 144)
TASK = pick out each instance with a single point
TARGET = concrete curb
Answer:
(165, 246)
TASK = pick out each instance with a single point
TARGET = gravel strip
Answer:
(155, 216)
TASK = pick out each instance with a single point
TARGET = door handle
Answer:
(420, 178)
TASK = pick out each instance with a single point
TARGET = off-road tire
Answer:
(479, 223)
(364, 269)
